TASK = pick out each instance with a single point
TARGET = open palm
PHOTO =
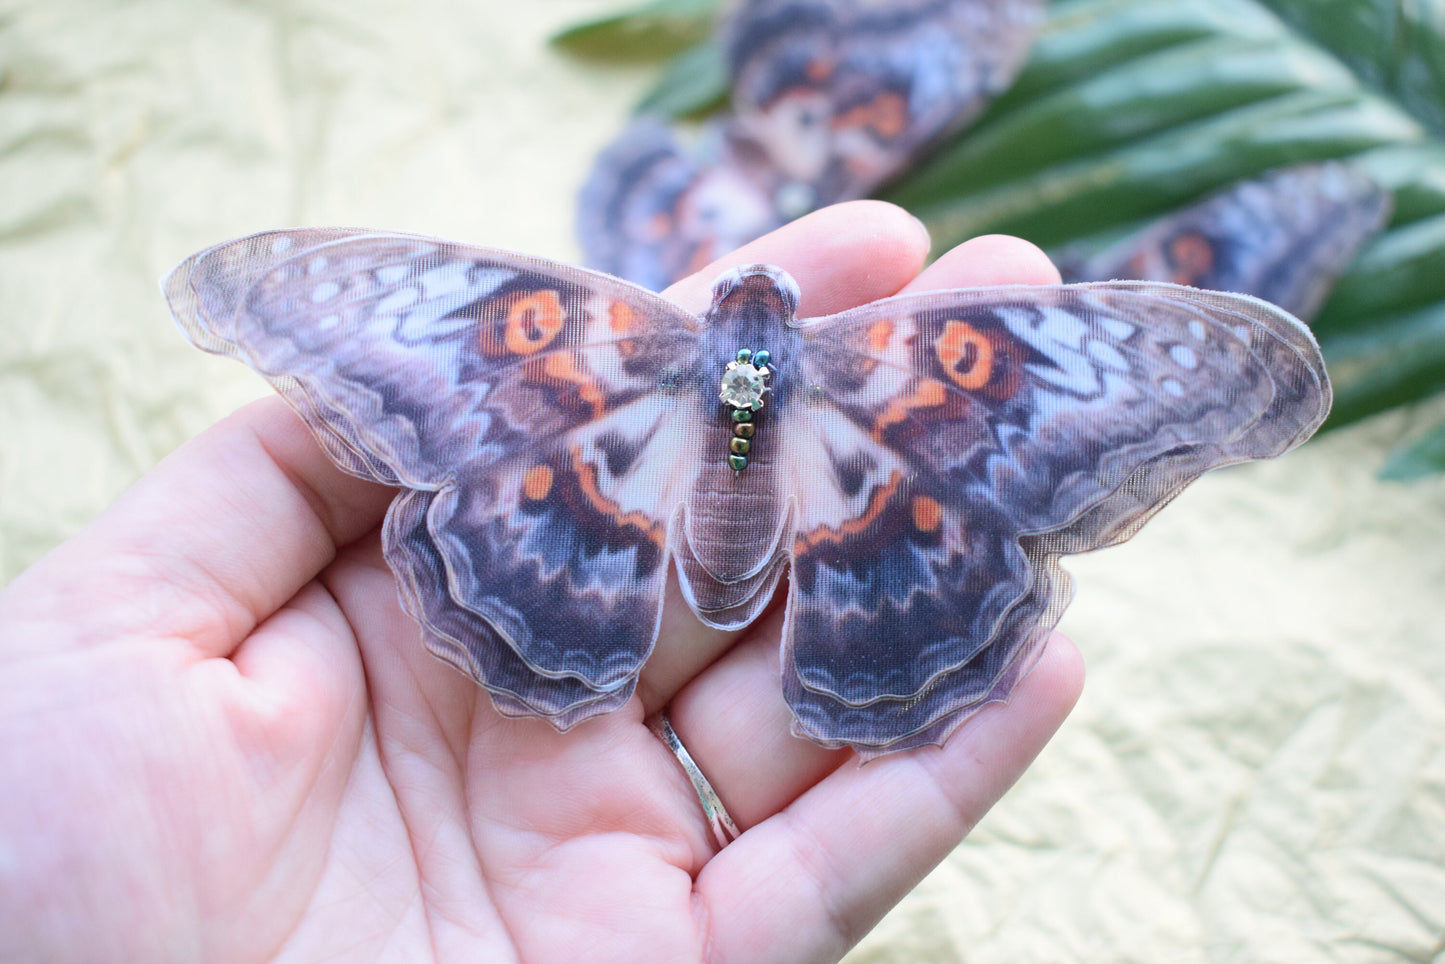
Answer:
(221, 740)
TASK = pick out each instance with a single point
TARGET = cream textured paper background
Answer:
(1256, 771)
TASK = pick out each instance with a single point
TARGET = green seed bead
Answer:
(761, 358)
(740, 446)
(745, 355)
(744, 429)
(742, 415)
(738, 462)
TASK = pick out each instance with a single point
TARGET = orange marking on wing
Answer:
(880, 333)
(587, 482)
(966, 355)
(1192, 258)
(818, 69)
(877, 502)
(886, 114)
(659, 226)
(929, 393)
(537, 482)
(620, 317)
(927, 513)
(532, 323)
(562, 368)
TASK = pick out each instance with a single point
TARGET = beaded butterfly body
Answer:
(919, 464)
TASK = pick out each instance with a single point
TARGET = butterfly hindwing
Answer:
(521, 396)
(983, 433)
(468, 641)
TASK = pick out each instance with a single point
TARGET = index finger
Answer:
(216, 538)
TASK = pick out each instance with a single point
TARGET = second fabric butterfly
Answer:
(830, 99)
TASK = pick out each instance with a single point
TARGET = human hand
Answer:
(220, 738)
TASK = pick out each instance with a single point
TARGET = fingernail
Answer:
(923, 230)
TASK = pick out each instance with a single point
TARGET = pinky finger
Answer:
(809, 882)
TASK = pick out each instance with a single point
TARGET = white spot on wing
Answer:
(1184, 356)
(1197, 329)
(1173, 387)
(393, 273)
(426, 320)
(325, 292)
(1071, 372)
(397, 300)
(1117, 327)
(318, 264)
(1107, 355)
(1045, 327)
(443, 281)
(282, 244)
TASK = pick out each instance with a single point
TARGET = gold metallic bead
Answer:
(744, 429)
(740, 446)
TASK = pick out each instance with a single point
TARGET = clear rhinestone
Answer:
(743, 386)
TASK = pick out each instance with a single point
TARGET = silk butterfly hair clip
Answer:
(830, 99)
(561, 438)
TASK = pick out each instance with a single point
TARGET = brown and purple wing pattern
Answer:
(970, 438)
(532, 412)
(920, 463)
(465, 638)
(830, 99)
(1284, 237)
(655, 209)
(841, 95)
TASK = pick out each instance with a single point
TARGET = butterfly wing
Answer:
(830, 99)
(654, 210)
(973, 437)
(516, 401)
(843, 94)
(466, 640)
(1284, 237)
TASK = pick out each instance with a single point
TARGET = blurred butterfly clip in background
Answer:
(918, 466)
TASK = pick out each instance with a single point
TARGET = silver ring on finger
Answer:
(724, 830)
